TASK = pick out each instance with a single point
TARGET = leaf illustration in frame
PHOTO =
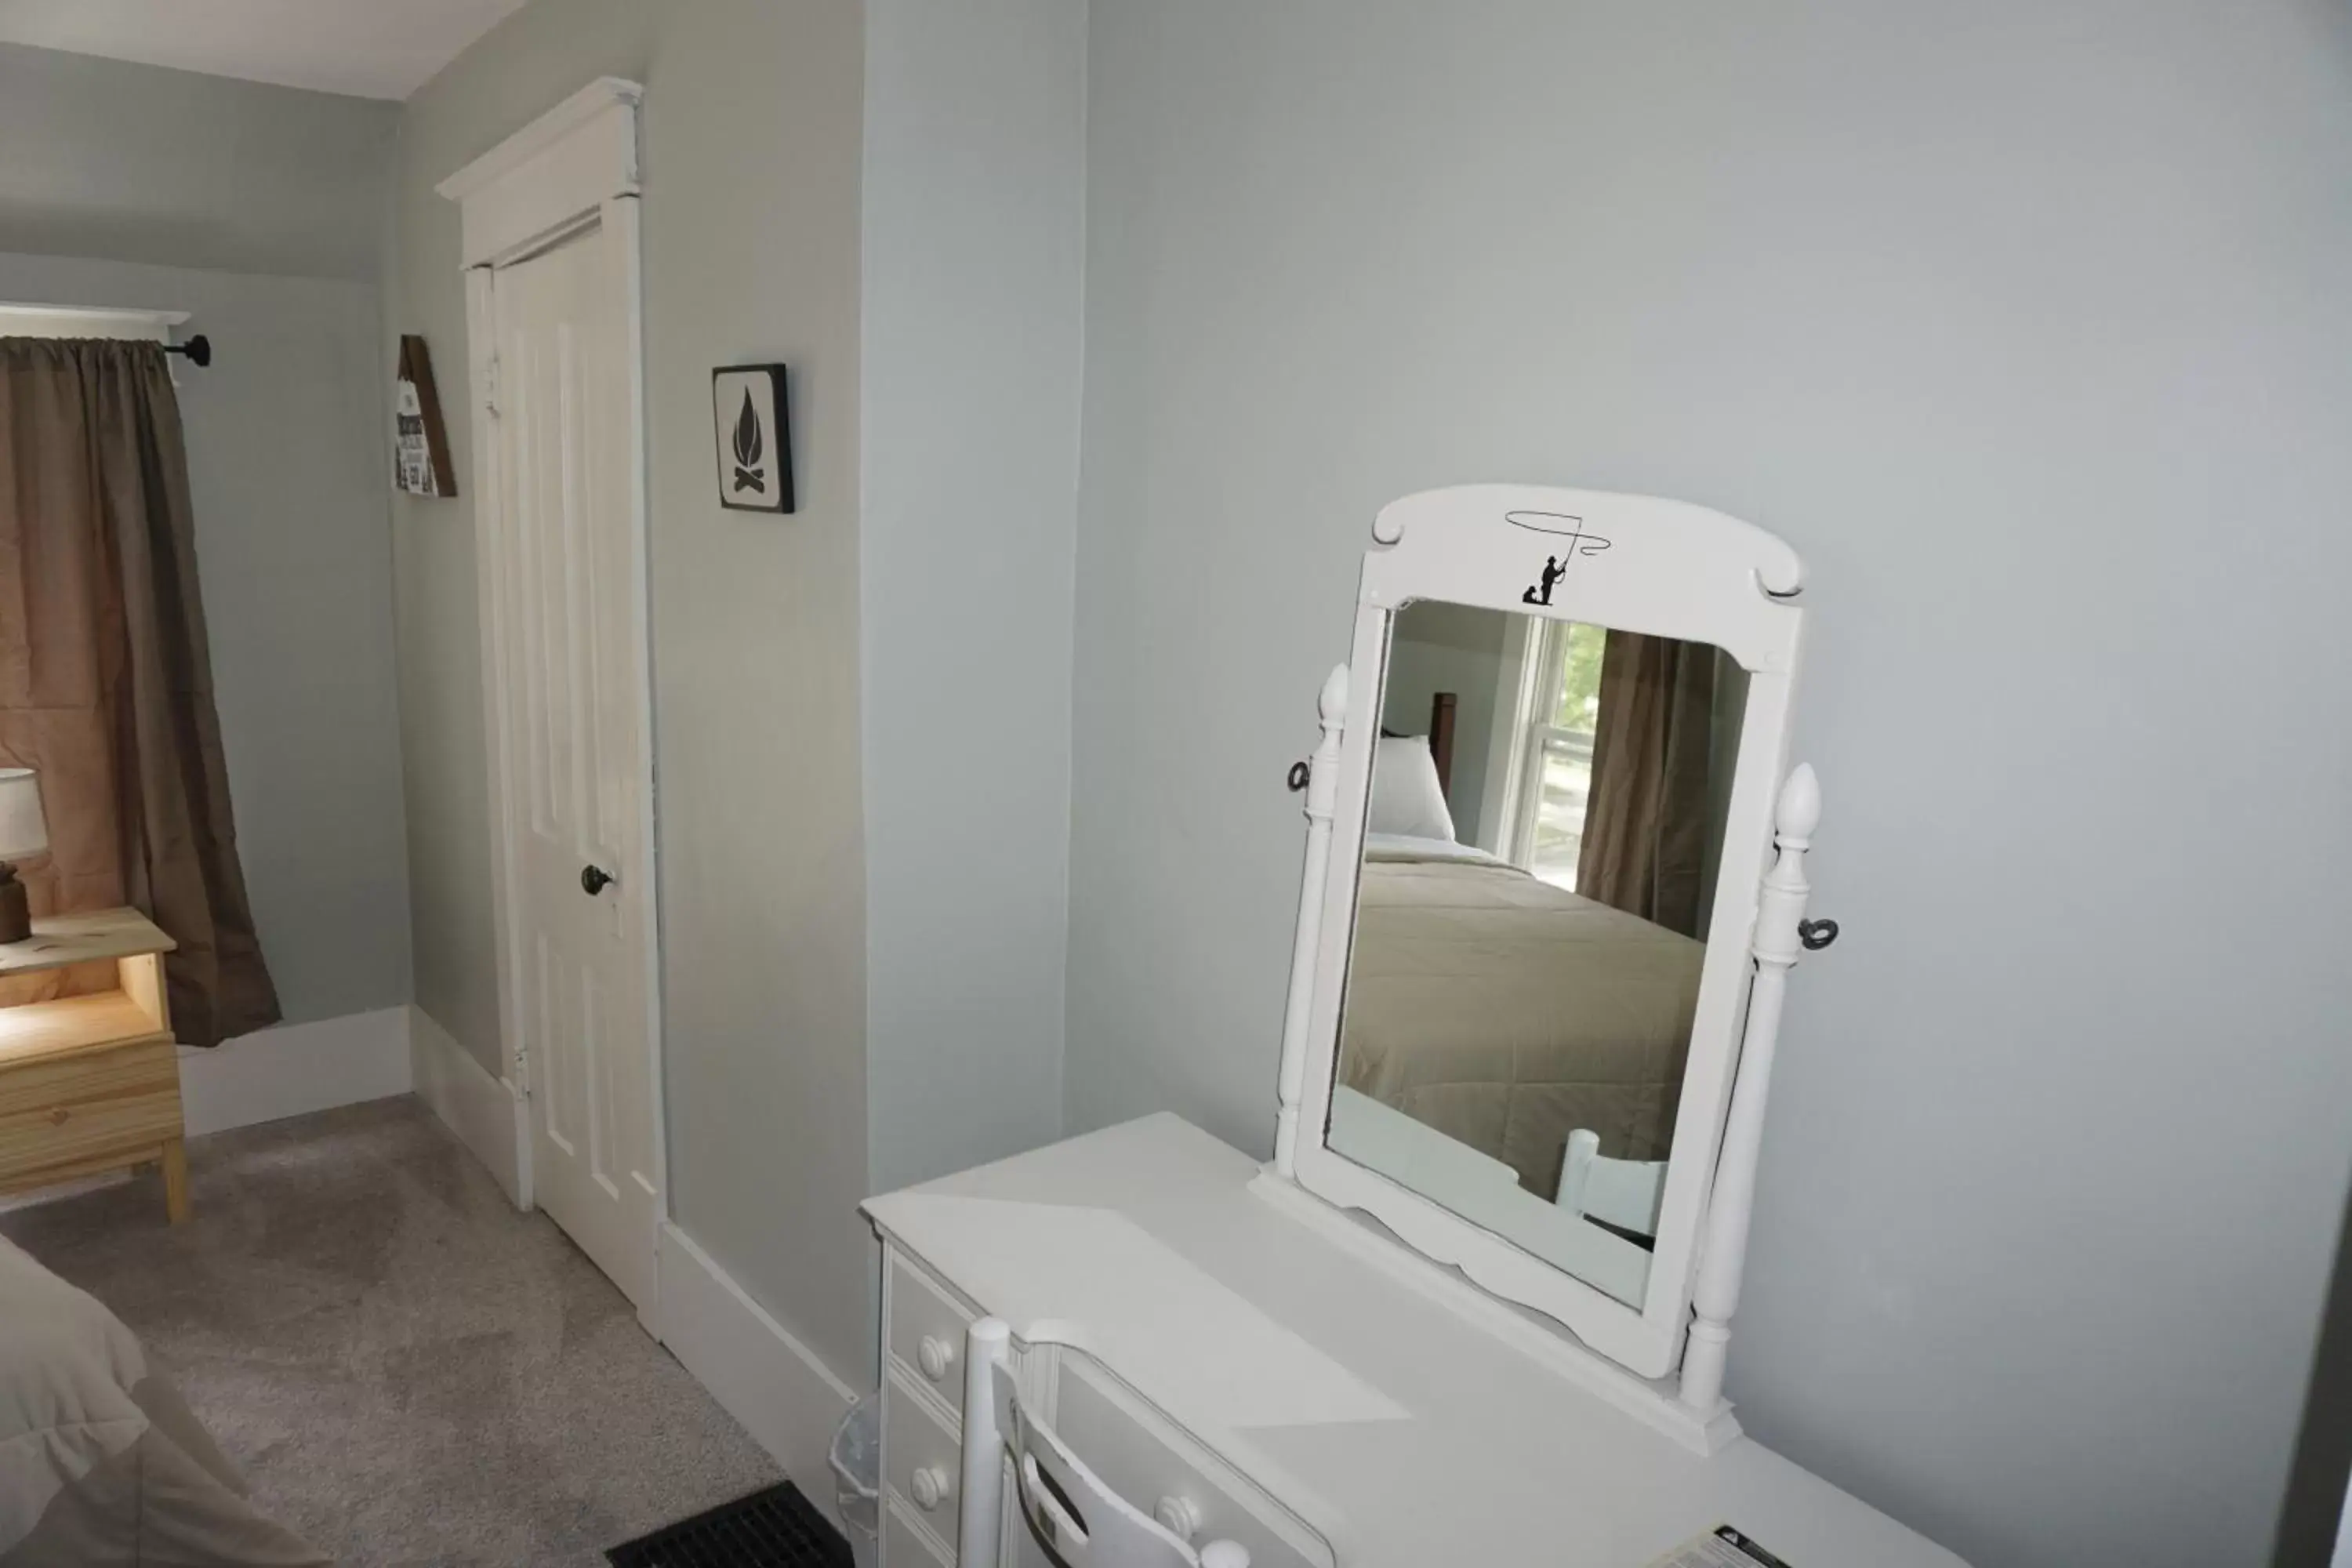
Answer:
(749, 448)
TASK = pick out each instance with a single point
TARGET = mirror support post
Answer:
(1322, 793)
(1723, 1251)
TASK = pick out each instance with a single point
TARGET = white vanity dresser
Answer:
(1477, 1310)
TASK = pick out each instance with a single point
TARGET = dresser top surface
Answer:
(1404, 1432)
(61, 939)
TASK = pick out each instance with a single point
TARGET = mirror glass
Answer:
(1543, 838)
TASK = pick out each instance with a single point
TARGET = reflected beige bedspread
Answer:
(101, 1462)
(1506, 1013)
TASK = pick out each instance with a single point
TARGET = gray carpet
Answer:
(408, 1371)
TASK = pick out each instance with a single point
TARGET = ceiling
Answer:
(372, 49)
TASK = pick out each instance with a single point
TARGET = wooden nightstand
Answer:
(91, 1084)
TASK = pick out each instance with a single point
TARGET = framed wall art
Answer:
(752, 419)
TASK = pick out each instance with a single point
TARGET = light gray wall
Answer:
(1439, 646)
(141, 163)
(2317, 1511)
(286, 436)
(974, 246)
(2028, 326)
(751, 131)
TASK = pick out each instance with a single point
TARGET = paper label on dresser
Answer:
(1722, 1547)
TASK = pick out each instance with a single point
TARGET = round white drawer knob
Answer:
(1225, 1555)
(934, 1355)
(1180, 1517)
(930, 1485)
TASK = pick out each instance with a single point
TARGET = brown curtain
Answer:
(105, 683)
(1646, 821)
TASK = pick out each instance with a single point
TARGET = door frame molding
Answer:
(573, 168)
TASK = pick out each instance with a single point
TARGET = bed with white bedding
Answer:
(101, 1462)
(1506, 1012)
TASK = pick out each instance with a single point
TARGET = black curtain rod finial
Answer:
(199, 349)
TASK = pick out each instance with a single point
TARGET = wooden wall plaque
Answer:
(421, 464)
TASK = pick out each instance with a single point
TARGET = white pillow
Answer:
(1405, 795)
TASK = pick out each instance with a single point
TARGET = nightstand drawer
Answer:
(88, 1106)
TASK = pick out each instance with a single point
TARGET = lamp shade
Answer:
(22, 830)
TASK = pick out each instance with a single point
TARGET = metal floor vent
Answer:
(777, 1527)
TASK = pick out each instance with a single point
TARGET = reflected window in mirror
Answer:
(1550, 779)
(1543, 837)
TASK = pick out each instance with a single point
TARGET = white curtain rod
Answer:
(95, 314)
(157, 324)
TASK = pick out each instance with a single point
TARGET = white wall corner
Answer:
(485, 1112)
(775, 1387)
(293, 1070)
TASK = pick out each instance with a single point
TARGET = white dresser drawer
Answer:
(922, 1460)
(1146, 1459)
(904, 1545)
(927, 1326)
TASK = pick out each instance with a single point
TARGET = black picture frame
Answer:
(751, 410)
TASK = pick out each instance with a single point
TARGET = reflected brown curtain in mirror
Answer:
(105, 681)
(1646, 820)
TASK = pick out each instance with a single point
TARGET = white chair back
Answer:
(1084, 1522)
(1067, 1507)
(1623, 1193)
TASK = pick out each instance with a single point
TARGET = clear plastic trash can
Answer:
(857, 1476)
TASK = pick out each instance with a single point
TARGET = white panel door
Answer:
(575, 774)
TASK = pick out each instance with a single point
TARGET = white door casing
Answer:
(552, 257)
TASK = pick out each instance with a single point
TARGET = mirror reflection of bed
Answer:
(1540, 855)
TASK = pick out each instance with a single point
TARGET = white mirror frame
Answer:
(1633, 563)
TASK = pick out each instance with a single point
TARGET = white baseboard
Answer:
(773, 1384)
(775, 1387)
(485, 1112)
(294, 1069)
(35, 1196)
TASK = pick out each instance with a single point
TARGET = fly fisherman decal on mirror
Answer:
(1555, 567)
(751, 417)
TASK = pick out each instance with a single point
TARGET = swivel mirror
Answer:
(1525, 959)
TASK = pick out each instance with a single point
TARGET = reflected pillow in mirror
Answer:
(1406, 798)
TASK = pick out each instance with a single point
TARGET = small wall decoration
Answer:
(421, 444)
(754, 428)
